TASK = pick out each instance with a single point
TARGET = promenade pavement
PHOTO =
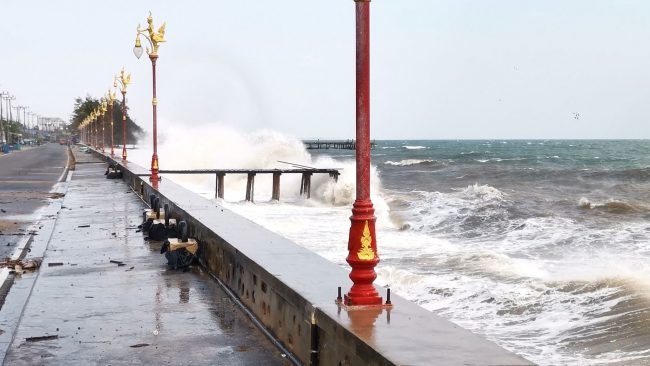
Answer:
(80, 308)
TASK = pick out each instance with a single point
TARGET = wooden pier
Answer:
(333, 144)
(220, 174)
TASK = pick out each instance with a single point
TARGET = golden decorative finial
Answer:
(110, 96)
(150, 35)
(366, 253)
(124, 79)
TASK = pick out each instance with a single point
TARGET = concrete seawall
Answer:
(291, 291)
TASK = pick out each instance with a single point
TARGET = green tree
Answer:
(84, 107)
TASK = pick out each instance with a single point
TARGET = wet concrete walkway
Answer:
(89, 311)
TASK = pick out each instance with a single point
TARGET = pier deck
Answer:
(333, 144)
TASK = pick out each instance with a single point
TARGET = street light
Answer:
(154, 39)
(103, 108)
(362, 244)
(124, 80)
(111, 98)
(93, 124)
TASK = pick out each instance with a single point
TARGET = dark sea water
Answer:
(542, 246)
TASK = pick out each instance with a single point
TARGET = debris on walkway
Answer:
(19, 265)
(42, 338)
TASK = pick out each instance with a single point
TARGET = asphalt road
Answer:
(26, 178)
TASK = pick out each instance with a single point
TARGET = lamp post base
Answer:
(154, 168)
(124, 152)
(362, 256)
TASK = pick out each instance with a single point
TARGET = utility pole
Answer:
(3, 137)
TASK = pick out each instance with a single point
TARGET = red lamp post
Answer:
(362, 244)
(95, 115)
(103, 108)
(124, 80)
(111, 100)
(154, 39)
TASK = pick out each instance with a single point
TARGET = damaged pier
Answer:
(220, 174)
(333, 144)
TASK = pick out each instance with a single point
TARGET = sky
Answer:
(440, 69)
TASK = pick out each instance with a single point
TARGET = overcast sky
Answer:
(440, 68)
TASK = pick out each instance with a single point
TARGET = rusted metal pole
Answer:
(103, 134)
(154, 102)
(276, 186)
(123, 124)
(95, 135)
(362, 244)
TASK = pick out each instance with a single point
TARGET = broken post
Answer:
(250, 187)
(219, 185)
(276, 186)
(305, 184)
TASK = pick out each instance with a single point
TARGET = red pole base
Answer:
(124, 152)
(112, 152)
(154, 168)
(362, 256)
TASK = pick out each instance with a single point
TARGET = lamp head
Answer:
(137, 50)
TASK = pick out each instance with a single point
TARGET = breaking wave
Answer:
(615, 207)
(409, 162)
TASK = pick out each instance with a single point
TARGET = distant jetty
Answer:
(333, 144)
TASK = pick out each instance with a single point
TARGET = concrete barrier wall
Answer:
(292, 292)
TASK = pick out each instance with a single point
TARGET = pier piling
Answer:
(276, 186)
(250, 187)
(305, 184)
(219, 185)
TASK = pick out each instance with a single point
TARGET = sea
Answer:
(542, 246)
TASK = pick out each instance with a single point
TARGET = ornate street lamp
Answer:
(93, 121)
(362, 244)
(124, 80)
(111, 98)
(103, 109)
(154, 39)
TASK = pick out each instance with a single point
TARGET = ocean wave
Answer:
(409, 147)
(484, 192)
(615, 207)
(409, 162)
(471, 212)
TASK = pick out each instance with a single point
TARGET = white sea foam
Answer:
(408, 162)
(411, 147)
(484, 192)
